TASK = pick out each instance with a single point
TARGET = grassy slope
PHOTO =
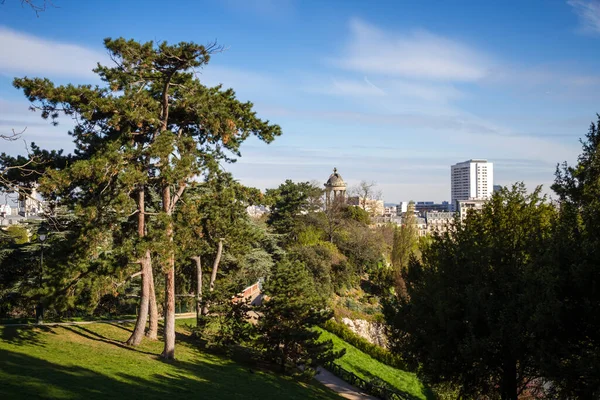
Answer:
(91, 362)
(368, 368)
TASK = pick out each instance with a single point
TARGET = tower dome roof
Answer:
(335, 180)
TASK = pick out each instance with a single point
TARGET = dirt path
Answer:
(340, 386)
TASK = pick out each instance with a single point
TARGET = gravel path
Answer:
(340, 386)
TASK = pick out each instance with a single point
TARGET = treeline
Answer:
(505, 305)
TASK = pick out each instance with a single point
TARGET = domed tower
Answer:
(336, 185)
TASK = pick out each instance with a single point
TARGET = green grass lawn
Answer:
(368, 368)
(91, 362)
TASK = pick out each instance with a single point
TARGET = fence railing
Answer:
(382, 392)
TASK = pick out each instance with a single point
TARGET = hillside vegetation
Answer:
(368, 368)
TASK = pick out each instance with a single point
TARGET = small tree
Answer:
(291, 311)
(405, 245)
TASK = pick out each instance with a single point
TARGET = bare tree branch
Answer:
(36, 6)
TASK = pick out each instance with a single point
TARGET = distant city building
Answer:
(402, 207)
(438, 221)
(389, 210)
(426, 206)
(5, 210)
(421, 226)
(463, 207)
(335, 189)
(372, 206)
(471, 180)
(386, 219)
(257, 211)
(30, 203)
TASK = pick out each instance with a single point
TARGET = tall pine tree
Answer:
(152, 124)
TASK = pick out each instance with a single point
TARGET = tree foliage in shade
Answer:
(290, 312)
(572, 356)
(475, 307)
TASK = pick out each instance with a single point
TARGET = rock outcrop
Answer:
(372, 331)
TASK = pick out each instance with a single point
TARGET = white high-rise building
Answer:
(472, 180)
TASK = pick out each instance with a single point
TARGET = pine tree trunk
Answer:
(152, 332)
(213, 275)
(145, 264)
(169, 350)
(140, 324)
(198, 288)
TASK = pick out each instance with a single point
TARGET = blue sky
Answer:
(386, 91)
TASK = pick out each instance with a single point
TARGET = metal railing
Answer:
(382, 392)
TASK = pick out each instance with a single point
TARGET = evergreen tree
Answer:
(289, 202)
(572, 354)
(291, 310)
(476, 306)
(152, 124)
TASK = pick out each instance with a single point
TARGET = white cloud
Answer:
(349, 87)
(431, 92)
(15, 115)
(589, 14)
(395, 90)
(239, 79)
(265, 8)
(418, 54)
(25, 54)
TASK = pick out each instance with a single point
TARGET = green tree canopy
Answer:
(572, 354)
(289, 202)
(151, 126)
(290, 312)
(472, 308)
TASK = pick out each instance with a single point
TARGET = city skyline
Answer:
(393, 93)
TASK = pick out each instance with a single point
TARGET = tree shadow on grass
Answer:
(24, 335)
(27, 377)
(91, 335)
(126, 326)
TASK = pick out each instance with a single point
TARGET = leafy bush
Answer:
(377, 352)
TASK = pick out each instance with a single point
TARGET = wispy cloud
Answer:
(25, 54)
(417, 54)
(266, 8)
(394, 90)
(589, 14)
(348, 87)
(564, 81)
